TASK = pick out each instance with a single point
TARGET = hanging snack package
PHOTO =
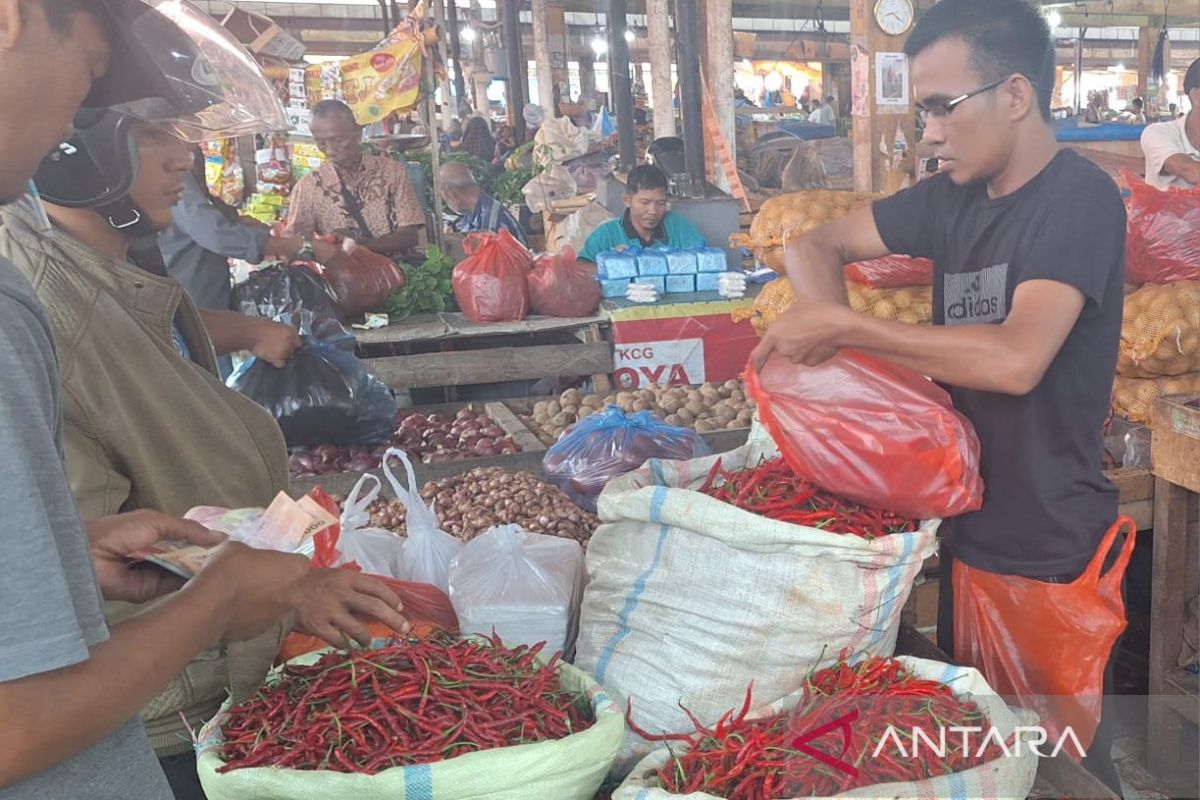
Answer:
(878, 434)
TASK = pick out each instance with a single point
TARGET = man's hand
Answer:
(334, 599)
(114, 538)
(258, 587)
(275, 342)
(808, 333)
(325, 252)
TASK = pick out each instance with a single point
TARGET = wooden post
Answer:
(658, 21)
(875, 127)
(1147, 38)
(460, 80)
(516, 71)
(620, 86)
(587, 80)
(541, 57)
(718, 74)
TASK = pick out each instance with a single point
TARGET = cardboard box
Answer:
(262, 36)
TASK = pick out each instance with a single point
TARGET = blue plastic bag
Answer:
(324, 394)
(609, 444)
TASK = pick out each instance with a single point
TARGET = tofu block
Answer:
(614, 287)
(614, 266)
(659, 282)
(707, 281)
(711, 259)
(678, 284)
(681, 262)
(651, 263)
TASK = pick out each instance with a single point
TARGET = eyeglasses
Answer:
(942, 108)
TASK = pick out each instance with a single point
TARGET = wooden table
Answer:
(468, 353)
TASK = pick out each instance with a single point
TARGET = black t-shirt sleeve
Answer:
(907, 221)
(1081, 241)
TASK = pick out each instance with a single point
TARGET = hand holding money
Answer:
(115, 540)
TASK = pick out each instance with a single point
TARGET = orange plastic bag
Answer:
(876, 433)
(491, 284)
(891, 272)
(560, 287)
(426, 607)
(1045, 644)
(1163, 240)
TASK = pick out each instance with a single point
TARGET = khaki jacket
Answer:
(144, 428)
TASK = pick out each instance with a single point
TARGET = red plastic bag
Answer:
(491, 284)
(363, 280)
(426, 607)
(560, 287)
(1045, 644)
(1163, 241)
(891, 272)
(876, 433)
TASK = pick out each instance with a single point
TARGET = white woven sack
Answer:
(689, 599)
(571, 769)
(1008, 776)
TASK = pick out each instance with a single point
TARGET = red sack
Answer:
(1163, 240)
(490, 285)
(1045, 644)
(891, 272)
(560, 287)
(876, 433)
(362, 280)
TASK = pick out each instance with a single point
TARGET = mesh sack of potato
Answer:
(774, 298)
(788, 215)
(1134, 398)
(1160, 331)
(913, 304)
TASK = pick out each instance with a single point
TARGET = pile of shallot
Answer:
(472, 503)
(431, 439)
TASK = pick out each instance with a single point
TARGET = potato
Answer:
(570, 408)
(745, 416)
(540, 407)
(686, 416)
(561, 420)
(571, 396)
(706, 426)
(737, 396)
(697, 407)
(541, 417)
(670, 404)
(673, 419)
(733, 385)
(646, 396)
(553, 408)
(710, 395)
(642, 405)
(694, 394)
(727, 416)
(734, 425)
(587, 411)
(623, 398)
(593, 401)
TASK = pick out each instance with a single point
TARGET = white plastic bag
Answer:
(375, 550)
(1008, 776)
(555, 183)
(522, 585)
(427, 550)
(559, 140)
(690, 599)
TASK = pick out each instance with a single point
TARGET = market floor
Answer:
(1129, 754)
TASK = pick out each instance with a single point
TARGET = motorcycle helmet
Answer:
(174, 67)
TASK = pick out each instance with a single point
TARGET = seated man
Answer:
(1172, 148)
(367, 198)
(147, 424)
(477, 210)
(647, 220)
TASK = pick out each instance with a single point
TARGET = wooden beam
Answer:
(541, 58)
(719, 76)
(495, 365)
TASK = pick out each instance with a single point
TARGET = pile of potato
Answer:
(1134, 398)
(1160, 331)
(913, 304)
(773, 300)
(707, 408)
(788, 215)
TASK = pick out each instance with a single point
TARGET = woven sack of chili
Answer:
(690, 599)
(913, 304)
(572, 768)
(1010, 775)
(1160, 331)
(1134, 398)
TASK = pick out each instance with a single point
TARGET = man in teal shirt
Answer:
(647, 222)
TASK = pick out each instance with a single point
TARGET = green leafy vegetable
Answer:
(427, 289)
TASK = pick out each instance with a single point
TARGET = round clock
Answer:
(894, 17)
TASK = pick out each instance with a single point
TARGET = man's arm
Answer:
(65, 711)
(1009, 358)
(1184, 167)
(403, 238)
(1160, 144)
(232, 332)
(815, 261)
(204, 224)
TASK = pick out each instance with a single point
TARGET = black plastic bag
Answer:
(325, 394)
(285, 290)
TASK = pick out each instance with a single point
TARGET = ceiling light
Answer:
(467, 34)
(629, 36)
(1054, 20)
(599, 46)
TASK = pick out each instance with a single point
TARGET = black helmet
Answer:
(174, 67)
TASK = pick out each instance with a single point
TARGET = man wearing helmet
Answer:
(71, 685)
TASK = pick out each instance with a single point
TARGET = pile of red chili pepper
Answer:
(774, 491)
(412, 702)
(828, 743)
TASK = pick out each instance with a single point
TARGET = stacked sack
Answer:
(913, 304)
(789, 215)
(1160, 348)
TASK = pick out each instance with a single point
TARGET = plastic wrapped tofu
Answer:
(614, 265)
(614, 287)
(681, 262)
(679, 284)
(651, 263)
(711, 259)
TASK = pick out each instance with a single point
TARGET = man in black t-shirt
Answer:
(1028, 248)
